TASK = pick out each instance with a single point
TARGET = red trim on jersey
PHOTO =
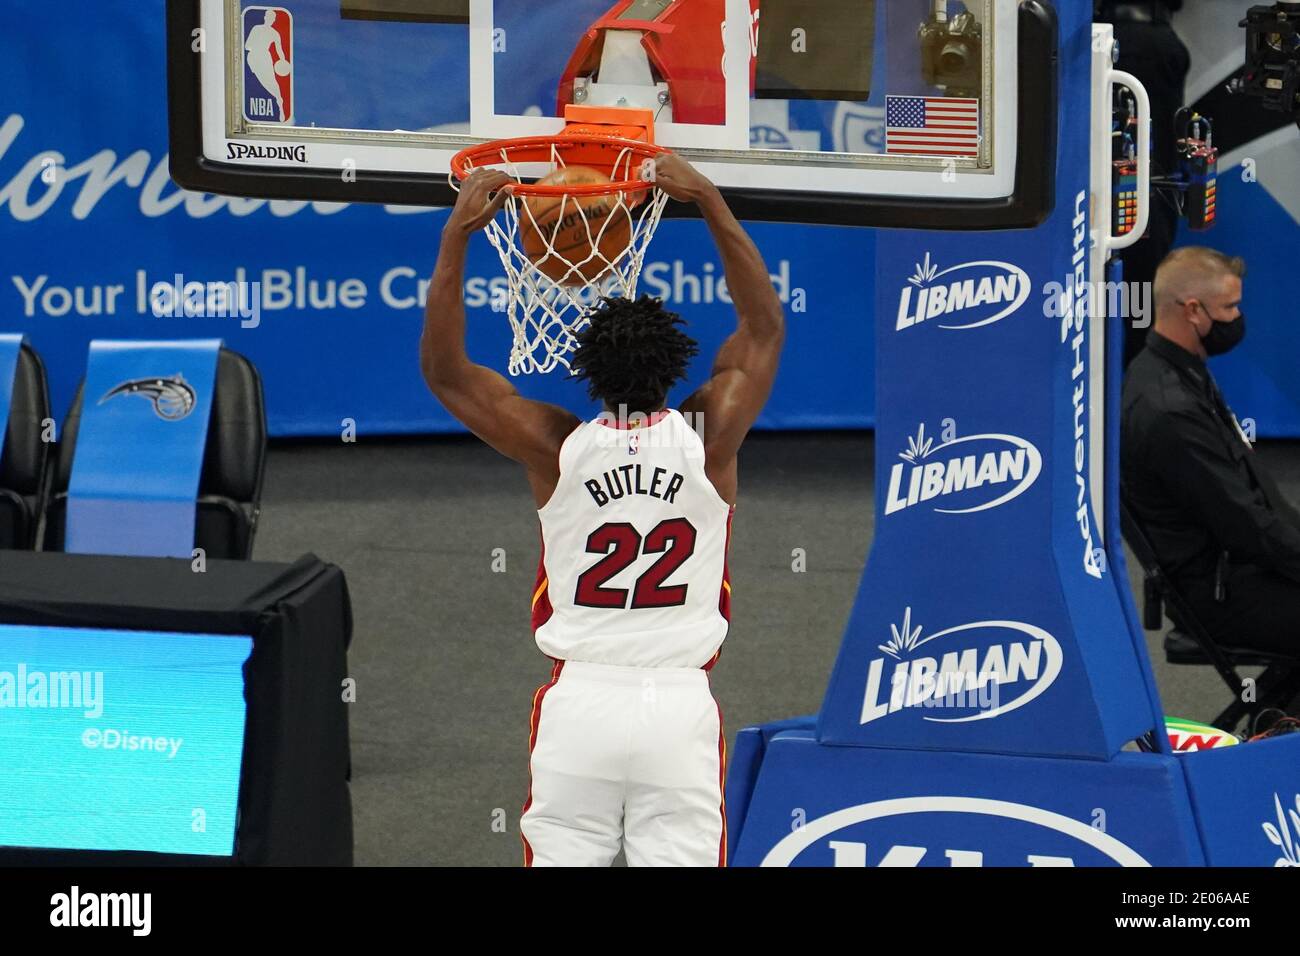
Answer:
(541, 607)
(533, 722)
(724, 593)
(612, 422)
(722, 786)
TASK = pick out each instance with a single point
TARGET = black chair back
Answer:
(26, 456)
(234, 460)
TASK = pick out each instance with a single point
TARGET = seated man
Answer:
(1220, 528)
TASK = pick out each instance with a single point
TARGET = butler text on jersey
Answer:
(633, 480)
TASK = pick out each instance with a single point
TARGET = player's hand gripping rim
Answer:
(482, 194)
(680, 180)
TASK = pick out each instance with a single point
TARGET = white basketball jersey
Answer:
(634, 549)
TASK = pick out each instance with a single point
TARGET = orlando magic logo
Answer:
(172, 398)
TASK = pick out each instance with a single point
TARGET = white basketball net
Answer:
(546, 313)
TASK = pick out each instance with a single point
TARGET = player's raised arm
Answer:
(745, 367)
(482, 399)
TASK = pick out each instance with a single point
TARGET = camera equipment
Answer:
(1272, 72)
(951, 51)
(1197, 168)
(1123, 157)
(1191, 187)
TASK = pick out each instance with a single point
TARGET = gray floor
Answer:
(442, 655)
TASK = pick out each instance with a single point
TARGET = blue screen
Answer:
(120, 740)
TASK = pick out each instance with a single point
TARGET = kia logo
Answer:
(906, 849)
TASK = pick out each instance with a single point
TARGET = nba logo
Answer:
(268, 65)
(633, 443)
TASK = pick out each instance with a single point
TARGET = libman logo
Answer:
(1282, 835)
(960, 674)
(962, 475)
(965, 296)
(949, 831)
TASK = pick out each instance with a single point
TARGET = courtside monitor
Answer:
(859, 113)
(121, 741)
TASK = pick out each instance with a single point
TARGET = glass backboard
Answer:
(840, 110)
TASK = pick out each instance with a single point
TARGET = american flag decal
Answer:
(932, 125)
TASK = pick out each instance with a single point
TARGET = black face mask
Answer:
(1223, 336)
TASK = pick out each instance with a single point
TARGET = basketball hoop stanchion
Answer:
(553, 278)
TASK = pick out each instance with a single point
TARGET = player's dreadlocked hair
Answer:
(632, 353)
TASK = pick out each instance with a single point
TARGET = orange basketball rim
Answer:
(548, 294)
(618, 142)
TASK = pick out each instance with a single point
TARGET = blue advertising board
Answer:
(93, 230)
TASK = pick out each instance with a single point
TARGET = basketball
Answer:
(282, 68)
(557, 231)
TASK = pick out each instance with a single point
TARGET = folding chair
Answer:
(1190, 642)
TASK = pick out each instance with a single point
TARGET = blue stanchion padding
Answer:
(1247, 801)
(987, 618)
(144, 427)
(743, 764)
(9, 348)
(816, 805)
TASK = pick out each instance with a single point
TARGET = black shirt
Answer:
(1104, 10)
(1189, 475)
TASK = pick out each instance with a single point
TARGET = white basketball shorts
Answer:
(630, 756)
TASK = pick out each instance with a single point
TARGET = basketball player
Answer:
(258, 49)
(632, 598)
